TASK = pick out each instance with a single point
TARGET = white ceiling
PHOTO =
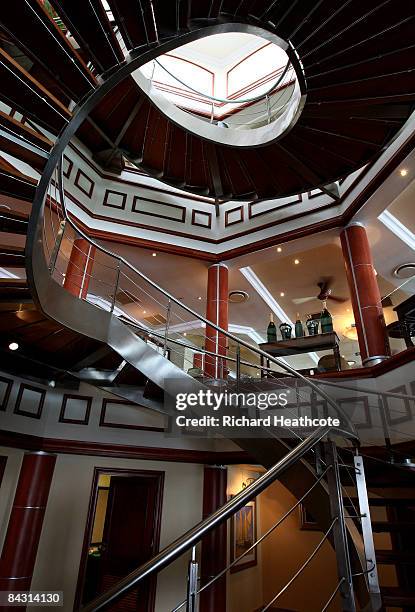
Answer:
(221, 51)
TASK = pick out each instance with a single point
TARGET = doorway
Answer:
(122, 533)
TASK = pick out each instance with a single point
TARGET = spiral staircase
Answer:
(354, 61)
(355, 64)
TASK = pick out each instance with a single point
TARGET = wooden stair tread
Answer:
(395, 596)
(392, 526)
(8, 248)
(13, 282)
(386, 501)
(385, 556)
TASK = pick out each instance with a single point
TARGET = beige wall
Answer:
(286, 549)
(280, 555)
(244, 588)
(66, 514)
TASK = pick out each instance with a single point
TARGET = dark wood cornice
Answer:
(13, 439)
(396, 361)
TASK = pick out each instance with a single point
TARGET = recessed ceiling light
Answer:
(200, 297)
(184, 334)
(154, 254)
(282, 294)
(238, 296)
(296, 261)
(350, 362)
(279, 250)
(13, 346)
(403, 172)
(144, 311)
(406, 270)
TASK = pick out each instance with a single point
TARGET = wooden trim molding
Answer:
(33, 415)
(396, 361)
(352, 402)
(107, 196)
(3, 463)
(228, 213)
(200, 214)
(104, 423)
(335, 222)
(85, 398)
(182, 209)
(405, 412)
(316, 193)
(12, 439)
(88, 192)
(9, 385)
(251, 205)
(68, 171)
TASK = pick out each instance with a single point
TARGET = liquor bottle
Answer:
(271, 330)
(299, 329)
(326, 321)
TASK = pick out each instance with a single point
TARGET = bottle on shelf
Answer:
(326, 320)
(299, 329)
(271, 330)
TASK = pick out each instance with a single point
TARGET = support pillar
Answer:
(366, 299)
(20, 546)
(78, 272)
(198, 360)
(217, 312)
(214, 545)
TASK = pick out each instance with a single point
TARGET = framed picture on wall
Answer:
(243, 535)
(307, 521)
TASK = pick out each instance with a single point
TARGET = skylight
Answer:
(218, 75)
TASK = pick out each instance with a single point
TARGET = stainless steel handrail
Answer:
(366, 390)
(194, 535)
(195, 314)
(258, 541)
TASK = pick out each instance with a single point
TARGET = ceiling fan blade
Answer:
(304, 300)
(325, 283)
(337, 299)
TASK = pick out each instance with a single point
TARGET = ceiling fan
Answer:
(324, 293)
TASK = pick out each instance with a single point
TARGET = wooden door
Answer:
(128, 539)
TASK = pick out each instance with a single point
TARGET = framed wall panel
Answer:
(30, 401)
(75, 409)
(5, 389)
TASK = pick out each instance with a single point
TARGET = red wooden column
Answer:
(198, 360)
(78, 272)
(366, 299)
(214, 546)
(20, 546)
(217, 312)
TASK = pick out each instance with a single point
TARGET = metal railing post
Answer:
(268, 109)
(367, 534)
(166, 331)
(314, 415)
(192, 578)
(57, 246)
(386, 433)
(117, 283)
(238, 367)
(347, 603)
